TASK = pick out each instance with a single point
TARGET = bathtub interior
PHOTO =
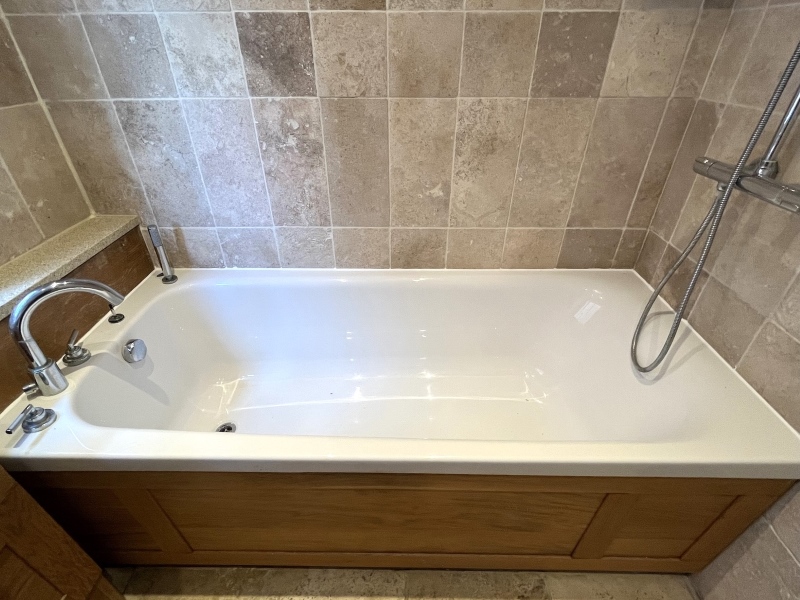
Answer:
(493, 356)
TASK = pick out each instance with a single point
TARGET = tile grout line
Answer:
(746, 55)
(388, 139)
(716, 56)
(13, 181)
(455, 138)
(191, 142)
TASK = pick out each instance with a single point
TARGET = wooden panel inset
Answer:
(103, 590)
(409, 521)
(19, 582)
(122, 265)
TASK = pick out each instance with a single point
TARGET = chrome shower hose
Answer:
(712, 218)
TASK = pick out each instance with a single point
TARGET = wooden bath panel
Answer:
(402, 521)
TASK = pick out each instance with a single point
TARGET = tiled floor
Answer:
(349, 584)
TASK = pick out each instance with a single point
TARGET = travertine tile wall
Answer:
(352, 133)
(748, 306)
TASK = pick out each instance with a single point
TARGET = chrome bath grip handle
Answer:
(20, 418)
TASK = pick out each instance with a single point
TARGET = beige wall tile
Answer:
(290, 135)
(589, 248)
(16, 88)
(787, 315)
(425, 54)
(757, 565)
(419, 248)
(350, 53)
(12, 7)
(131, 55)
(248, 247)
(573, 53)
(227, 150)
(553, 146)
(785, 519)
(269, 4)
(204, 54)
(675, 289)
(769, 53)
(277, 53)
(37, 164)
(679, 183)
(594, 586)
(196, 248)
(475, 248)
(421, 145)
(498, 53)
(701, 52)
(20, 233)
(426, 4)
(650, 257)
(362, 248)
(488, 135)
(731, 54)
(113, 5)
(162, 151)
(305, 246)
(96, 144)
(472, 584)
(629, 247)
(532, 248)
(189, 5)
(665, 148)
(357, 151)
(59, 57)
(503, 4)
(724, 320)
(623, 132)
(582, 4)
(347, 4)
(648, 52)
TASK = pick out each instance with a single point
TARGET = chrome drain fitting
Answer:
(226, 428)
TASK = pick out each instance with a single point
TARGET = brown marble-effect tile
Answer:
(488, 135)
(475, 584)
(37, 164)
(588, 248)
(19, 229)
(113, 5)
(756, 565)
(425, 4)
(675, 289)
(425, 54)
(498, 53)
(96, 144)
(616, 586)
(702, 50)
(532, 248)
(553, 146)
(131, 55)
(192, 247)
(248, 247)
(362, 248)
(582, 4)
(475, 248)
(357, 151)
(771, 50)
(191, 5)
(623, 132)
(290, 136)
(347, 4)
(650, 257)
(419, 248)
(122, 265)
(162, 151)
(730, 55)
(648, 52)
(573, 53)
(227, 149)
(630, 245)
(204, 54)
(679, 182)
(350, 53)
(724, 320)
(277, 53)
(305, 247)
(785, 519)
(58, 56)
(269, 4)
(16, 88)
(503, 4)
(12, 7)
(421, 146)
(662, 156)
(787, 315)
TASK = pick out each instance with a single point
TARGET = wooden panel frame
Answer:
(171, 524)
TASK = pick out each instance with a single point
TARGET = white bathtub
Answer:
(493, 372)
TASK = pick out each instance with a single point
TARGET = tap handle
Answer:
(72, 339)
(20, 418)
